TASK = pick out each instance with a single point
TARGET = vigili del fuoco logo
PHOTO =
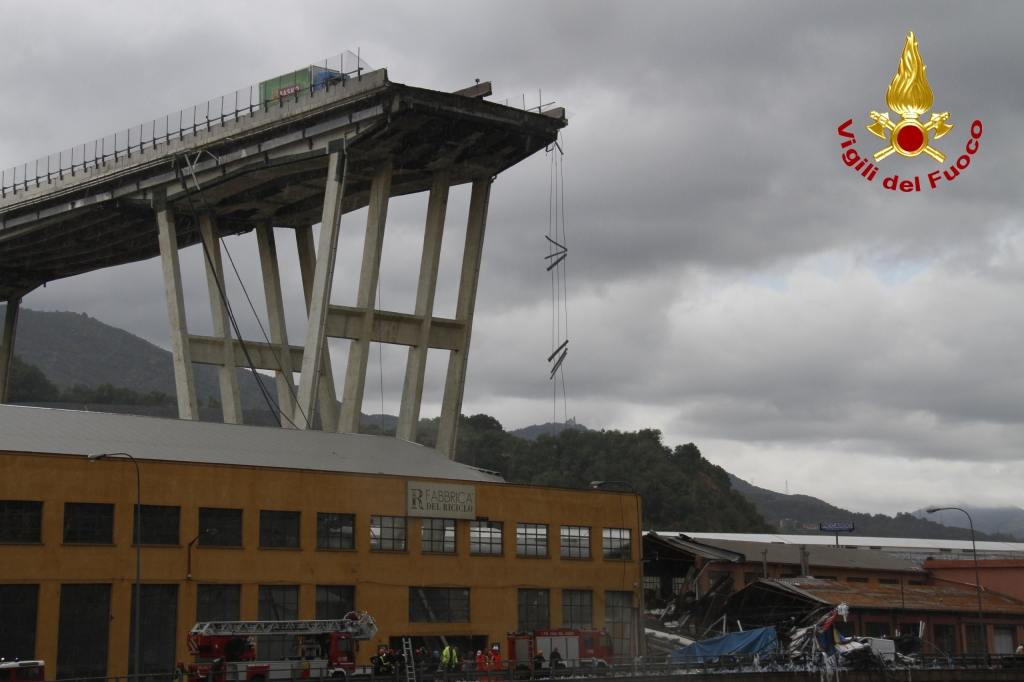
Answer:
(909, 96)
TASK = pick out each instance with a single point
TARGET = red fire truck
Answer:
(324, 648)
(22, 671)
(579, 648)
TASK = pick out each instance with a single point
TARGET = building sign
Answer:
(440, 500)
(910, 97)
(835, 527)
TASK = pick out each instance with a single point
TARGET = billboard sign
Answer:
(440, 500)
(841, 527)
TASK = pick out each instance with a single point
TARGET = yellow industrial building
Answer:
(250, 523)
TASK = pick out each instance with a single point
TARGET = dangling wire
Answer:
(558, 252)
(275, 409)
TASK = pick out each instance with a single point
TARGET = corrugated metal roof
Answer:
(910, 597)
(72, 432)
(820, 557)
(696, 548)
(854, 541)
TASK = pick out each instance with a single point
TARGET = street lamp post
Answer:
(208, 531)
(138, 545)
(977, 578)
(642, 635)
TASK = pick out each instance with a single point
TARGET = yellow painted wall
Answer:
(382, 579)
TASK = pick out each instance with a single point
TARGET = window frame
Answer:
(433, 528)
(571, 609)
(378, 543)
(217, 540)
(93, 519)
(280, 529)
(527, 536)
(323, 535)
(529, 602)
(451, 599)
(581, 550)
(22, 526)
(617, 546)
(164, 521)
(486, 539)
(203, 597)
(328, 595)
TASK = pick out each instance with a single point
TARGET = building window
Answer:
(485, 537)
(19, 605)
(577, 609)
(279, 529)
(387, 533)
(725, 577)
(227, 523)
(888, 581)
(334, 602)
(158, 612)
(976, 641)
(533, 609)
(750, 576)
(159, 525)
(618, 620)
(277, 602)
(83, 631)
(86, 523)
(945, 638)
(218, 603)
(652, 583)
(335, 531)
(616, 543)
(438, 605)
(824, 577)
(21, 521)
(678, 584)
(531, 539)
(439, 535)
(855, 579)
(576, 541)
(877, 630)
(1003, 640)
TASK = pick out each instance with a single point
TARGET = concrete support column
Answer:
(7, 345)
(320, 293)
(359, 350)
(455, 383)
(230, 400)
(307, 265)
(183, 381)
(275, 315)
(416, 365)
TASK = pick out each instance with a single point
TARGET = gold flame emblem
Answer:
(909, 95)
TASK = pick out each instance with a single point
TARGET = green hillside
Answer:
(73, 348)
(789, 513)
(680, 489)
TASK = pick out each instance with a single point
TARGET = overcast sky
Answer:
(731, 281)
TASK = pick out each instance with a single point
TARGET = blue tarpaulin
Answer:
(760, 641)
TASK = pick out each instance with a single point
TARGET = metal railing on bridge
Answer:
(190, 121)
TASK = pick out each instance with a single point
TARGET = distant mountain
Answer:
(801, 514)
(73, 348)
(1003, 520)
(550, 429)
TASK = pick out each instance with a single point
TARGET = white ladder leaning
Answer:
(410, 663)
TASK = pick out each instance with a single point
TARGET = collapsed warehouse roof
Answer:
(801, 601)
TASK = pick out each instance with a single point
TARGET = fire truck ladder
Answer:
(359, 625)
(410, 663)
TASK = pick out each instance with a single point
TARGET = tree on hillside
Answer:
(680, 489)
(28, 384)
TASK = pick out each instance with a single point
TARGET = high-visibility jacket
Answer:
(449, 656)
